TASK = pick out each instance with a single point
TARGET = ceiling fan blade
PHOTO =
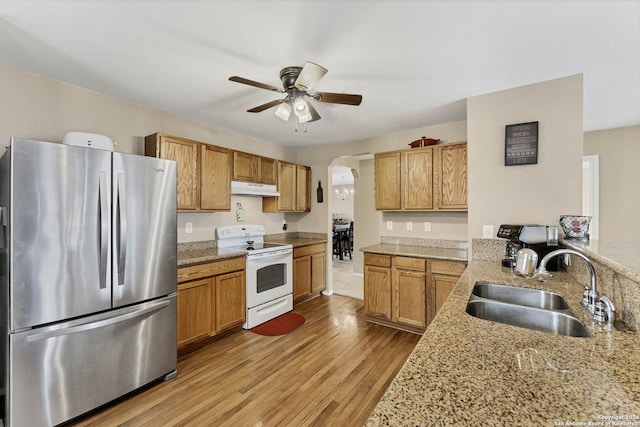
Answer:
(314, 114)
(310, 75)
(265, 106)
(338, 98)
(254, 83)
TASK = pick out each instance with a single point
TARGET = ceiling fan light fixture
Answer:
(300, 105)
(283, 111)
(301, 108)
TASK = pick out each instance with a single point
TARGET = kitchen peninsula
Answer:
(469, 371)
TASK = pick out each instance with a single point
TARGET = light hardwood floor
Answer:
(329, 372)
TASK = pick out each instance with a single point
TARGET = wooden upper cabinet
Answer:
(267, 170)
(203, 171)
(387, 180)
(216, 178)
(417, 179)
(286, 186)
(451, 176)
(294, 186)
(422, 179)
(249, 167)
(245, 167)
(303, 192)
(186, 155)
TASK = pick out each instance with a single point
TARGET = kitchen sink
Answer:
(521, 296)
(526, 308)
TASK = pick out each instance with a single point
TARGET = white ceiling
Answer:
(414, 62)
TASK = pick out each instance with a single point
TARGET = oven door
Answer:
(269, 276)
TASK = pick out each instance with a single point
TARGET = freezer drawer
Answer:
(60, 372)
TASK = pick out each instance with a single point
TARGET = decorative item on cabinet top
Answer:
(423, 142)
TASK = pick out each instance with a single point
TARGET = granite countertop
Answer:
(417, 251)
(469, 371)
(193, 256)
(297, 241)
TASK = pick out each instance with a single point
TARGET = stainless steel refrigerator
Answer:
(88, 278)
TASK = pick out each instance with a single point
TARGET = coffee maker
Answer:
(527, 236)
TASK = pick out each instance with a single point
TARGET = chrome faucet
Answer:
(600, 307)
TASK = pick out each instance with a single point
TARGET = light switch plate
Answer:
(389, 225)
(188, 229)
(409, 225)
(487, 231)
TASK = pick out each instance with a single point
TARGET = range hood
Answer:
(253, 189)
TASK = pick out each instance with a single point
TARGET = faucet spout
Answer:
(593, 294)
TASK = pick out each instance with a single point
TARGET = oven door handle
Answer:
(271, 254)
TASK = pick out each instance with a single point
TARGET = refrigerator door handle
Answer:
(99, 324)
(122, 225)
(104, 228)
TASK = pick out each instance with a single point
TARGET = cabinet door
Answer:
(303, 192)
(230, 302)
(443, 286)
(387, 181)
(301, 277)
(216, 178)
(185, 153)
(267, 171)
(409, 297)
(377, 291)
(318, 266)
(245, 167)
(451, 173)
(417, 179)
(194, 311)
(286, 186)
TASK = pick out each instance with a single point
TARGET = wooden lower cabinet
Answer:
(377, 286)
(406, 292)
(309, 271)
(409, 291)
(211, 301)
(443, 277)
(194, 311)
(230, 301)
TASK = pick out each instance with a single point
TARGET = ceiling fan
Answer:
(296, 82)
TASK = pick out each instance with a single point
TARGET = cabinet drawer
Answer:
(452, 268)
(308, 250)
(406, 263)
(377, 260)
(211, 269)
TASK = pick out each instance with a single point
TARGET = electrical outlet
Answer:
(427, 226)
(389, 225)
(487, 231)
(188, 228)
(409, 226)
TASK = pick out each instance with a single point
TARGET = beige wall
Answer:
(36, 107)
(530, 193)
(619, 153)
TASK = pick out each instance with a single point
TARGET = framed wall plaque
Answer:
(521, 144)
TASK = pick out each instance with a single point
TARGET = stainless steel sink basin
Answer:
(551, 321)
(521, 296)
(526, 308)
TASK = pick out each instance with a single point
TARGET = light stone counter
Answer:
(193, 253)
(417, 251)
(468, 371)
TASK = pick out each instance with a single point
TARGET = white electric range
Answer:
(269, 271)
